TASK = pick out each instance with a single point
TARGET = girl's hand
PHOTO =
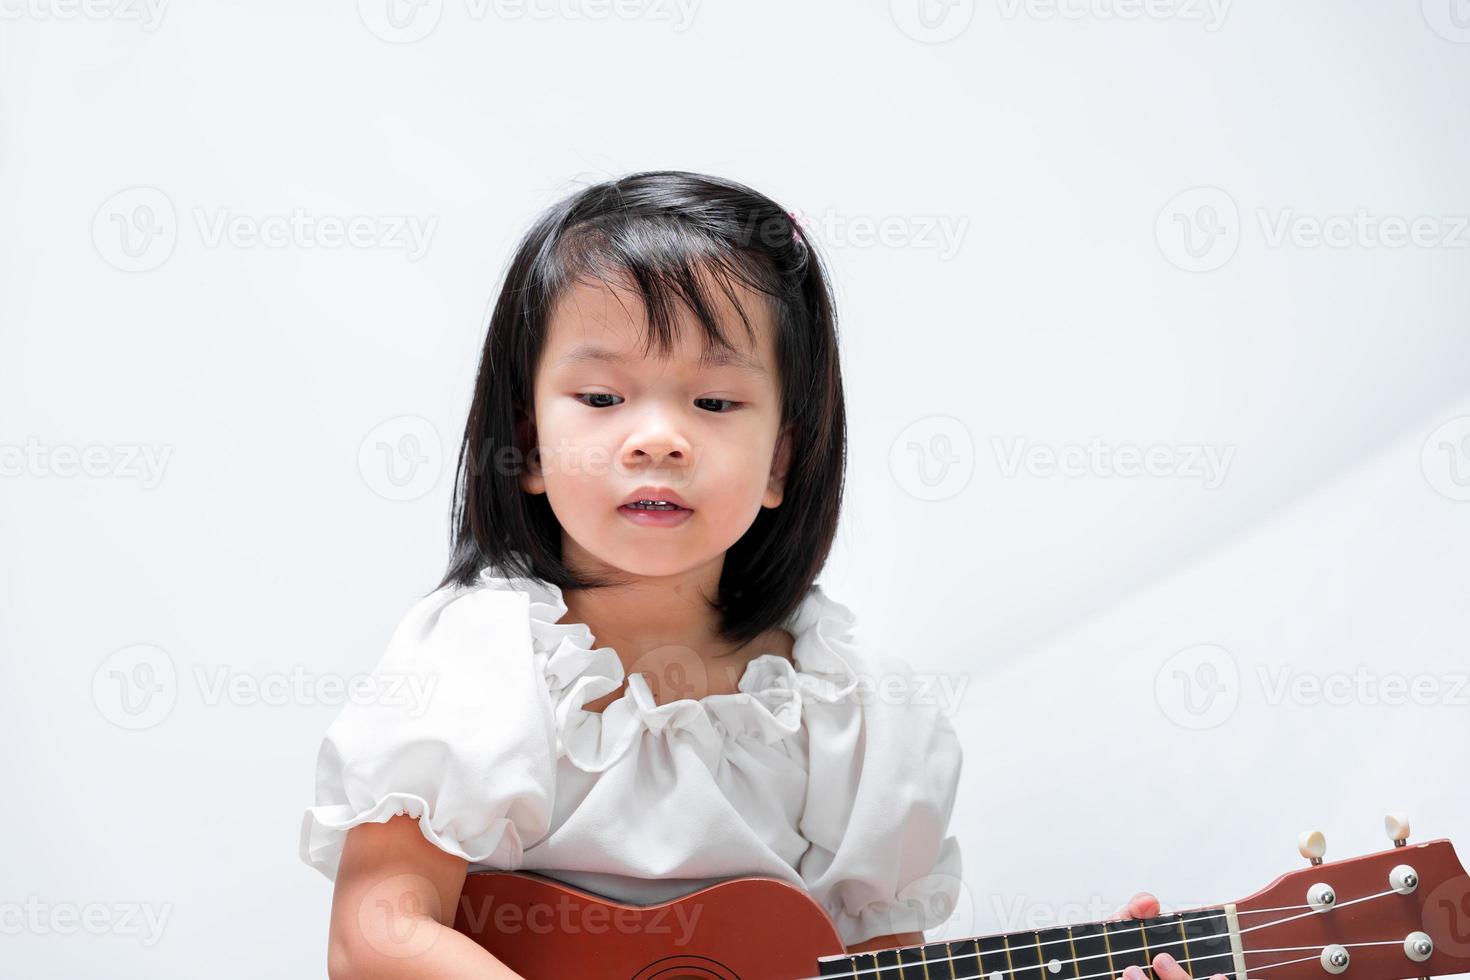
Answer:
(1145, 906)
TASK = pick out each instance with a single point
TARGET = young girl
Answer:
(634, 684)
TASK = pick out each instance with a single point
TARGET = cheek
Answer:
(737, 471)
(571, 454)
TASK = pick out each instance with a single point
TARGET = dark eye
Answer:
(723, 401)
(596, 394)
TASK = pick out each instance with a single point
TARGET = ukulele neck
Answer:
(1205, 942)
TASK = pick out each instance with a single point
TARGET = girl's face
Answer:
(609, 421)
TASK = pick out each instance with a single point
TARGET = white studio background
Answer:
(1154, 318)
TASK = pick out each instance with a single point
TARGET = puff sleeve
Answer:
(881, 787)
(456, 732)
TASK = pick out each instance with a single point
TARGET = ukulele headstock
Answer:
(1402, 912)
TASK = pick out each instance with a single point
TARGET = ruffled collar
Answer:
(767, 704)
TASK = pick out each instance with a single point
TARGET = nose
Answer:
(656, 438)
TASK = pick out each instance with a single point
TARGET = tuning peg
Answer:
(1396, 824)
(1312, 845)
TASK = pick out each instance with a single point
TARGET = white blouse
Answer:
(817, 775)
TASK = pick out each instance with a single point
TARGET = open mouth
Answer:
(652, 513)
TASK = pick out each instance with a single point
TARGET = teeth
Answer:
(653, 505)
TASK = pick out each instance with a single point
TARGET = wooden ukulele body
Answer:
(743, 929)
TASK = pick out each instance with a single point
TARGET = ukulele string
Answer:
(1012, 973)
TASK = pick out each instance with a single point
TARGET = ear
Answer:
(780, 464)
(532, 478)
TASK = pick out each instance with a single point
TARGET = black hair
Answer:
(667, 234)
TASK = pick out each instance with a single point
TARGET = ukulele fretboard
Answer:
(1199, 939)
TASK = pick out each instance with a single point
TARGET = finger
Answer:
(1141, 906)
(1167, 967)
(1133, 973)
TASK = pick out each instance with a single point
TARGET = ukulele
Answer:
(1402, 912)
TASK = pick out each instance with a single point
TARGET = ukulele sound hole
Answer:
(685, 968)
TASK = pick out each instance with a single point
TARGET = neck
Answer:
(1204, 941)
(649, 612)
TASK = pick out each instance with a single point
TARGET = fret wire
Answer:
(1010, 967)
(1076, 969)
(1040, 958)
(1184, 938)
(1109, 947)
